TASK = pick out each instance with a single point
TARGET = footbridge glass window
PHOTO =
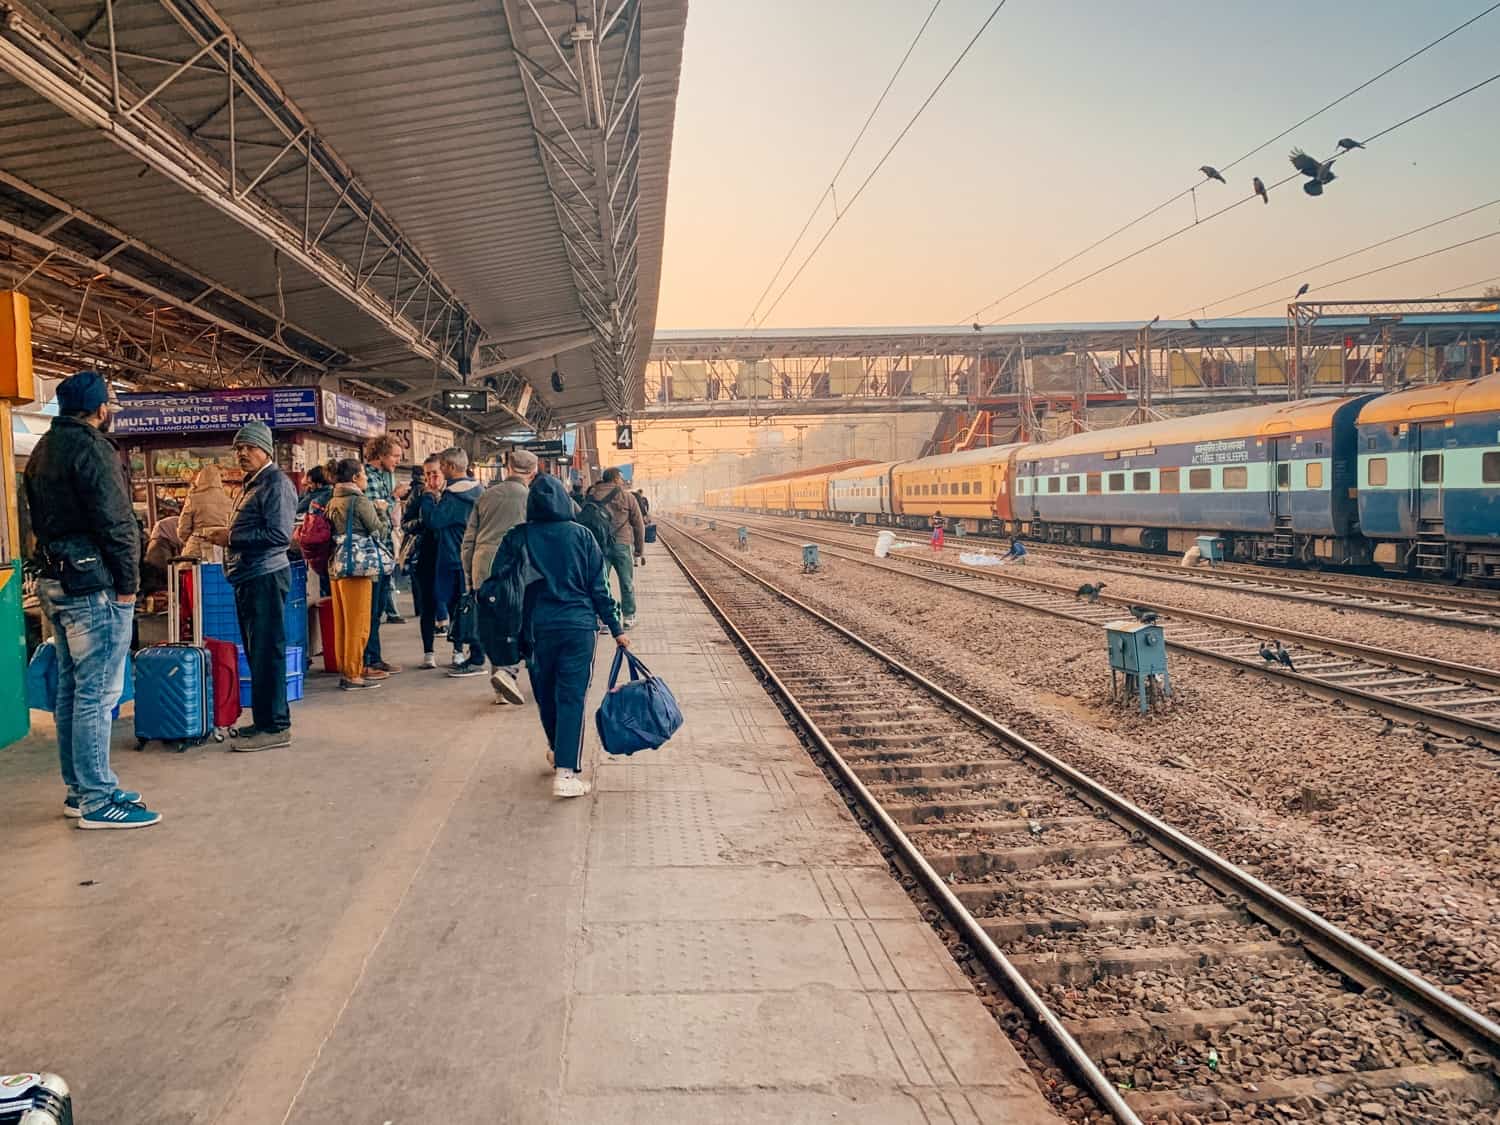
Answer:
(1375, 471)
(1236, 476)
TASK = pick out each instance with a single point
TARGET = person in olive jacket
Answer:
(258, 567)
(88, 553)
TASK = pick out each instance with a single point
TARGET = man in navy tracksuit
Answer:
(558, 624)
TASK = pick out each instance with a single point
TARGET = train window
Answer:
(1169, 480)
(1236, 476)
(1054, 484)
(1073, 484)
(1117, 482)
(1314, 474)
(1432, 468)
(1093, 485)
(1317, 449)
(1200, 478)
(1141, 481)
(1490, 473)
(1375, 471)
(1283, 474)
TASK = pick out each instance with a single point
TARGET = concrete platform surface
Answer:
(394, 922)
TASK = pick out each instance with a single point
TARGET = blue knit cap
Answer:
(82, 393)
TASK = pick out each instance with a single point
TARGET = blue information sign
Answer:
(196, 412)
(350, 416)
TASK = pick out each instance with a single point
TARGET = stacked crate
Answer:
(221, 622)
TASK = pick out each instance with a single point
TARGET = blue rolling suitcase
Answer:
(174, 683)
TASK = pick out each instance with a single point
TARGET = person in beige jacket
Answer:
(207, 507)
(501, 507)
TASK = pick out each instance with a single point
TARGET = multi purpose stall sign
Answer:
(199, 412)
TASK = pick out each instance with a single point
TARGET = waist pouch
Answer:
(78, 565)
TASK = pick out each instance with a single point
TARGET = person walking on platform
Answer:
(257, 566)
(88, 553)
(381, 457)
(421, 557)
(499, 508)
(627, 530)
(642, 503)
(352, 512)
(445, 517)
(207, 506)
(938, 524)
(558, 625)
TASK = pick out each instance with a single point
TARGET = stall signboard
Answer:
(419, 440)
(350, 416)
(198, 412)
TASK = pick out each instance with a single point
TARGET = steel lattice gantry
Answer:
(379, 192)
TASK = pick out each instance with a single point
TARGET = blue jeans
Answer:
(92, 634)
(380, 593)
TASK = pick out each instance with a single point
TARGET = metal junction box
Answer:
(1139, 652)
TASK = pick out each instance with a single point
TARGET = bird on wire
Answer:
(1089, 590)
(1301, 290)
(1143, 615)
(1317, 174)
(1212, 173)
(1260, 189)
(1346, 144)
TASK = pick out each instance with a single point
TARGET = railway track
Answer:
(1166, 979)
(1456, 700)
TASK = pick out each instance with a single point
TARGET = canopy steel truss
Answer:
(581, 68)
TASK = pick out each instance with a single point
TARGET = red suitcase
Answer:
(224, 657)
(326, 629)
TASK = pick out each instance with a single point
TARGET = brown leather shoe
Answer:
(373, 673)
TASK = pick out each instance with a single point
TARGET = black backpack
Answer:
(501, 599)
(595, 516)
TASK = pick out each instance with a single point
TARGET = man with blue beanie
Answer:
(257, 566)
(88, 551)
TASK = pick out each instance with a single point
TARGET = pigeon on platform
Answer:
(1317, 174)
(1089, 590)
(1260, 189)
(1192, 323)
(1303, 288)
(1284, 657)
(1346, 144)
(1212, 173)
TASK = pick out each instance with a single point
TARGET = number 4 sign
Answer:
(624, 435)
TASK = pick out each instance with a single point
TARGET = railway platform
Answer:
(396, 915)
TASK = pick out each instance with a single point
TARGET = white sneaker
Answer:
(566, 783)
(428, 661)
(506, 688)
(628, 623)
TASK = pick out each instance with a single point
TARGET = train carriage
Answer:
(865, 490)
(1429, 478)
(973, 486)
(1276, 482)
(810, 493)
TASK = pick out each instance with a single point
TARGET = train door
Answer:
(1427, 475)
(1281, 479)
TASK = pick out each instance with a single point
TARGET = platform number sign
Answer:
(624, 435)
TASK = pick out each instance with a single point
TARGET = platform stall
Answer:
(169, 436)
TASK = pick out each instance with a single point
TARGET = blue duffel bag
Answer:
(638, 715)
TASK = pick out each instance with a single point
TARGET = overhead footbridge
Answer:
(399, 197)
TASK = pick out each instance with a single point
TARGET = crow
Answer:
(1284, 657)
(1317, 174)
(1192, 323)
(1212, 173)
(978, 327)
(1303, 288)
(1143, 615)
(1260, 189)
(1346, 144)
(1089, 590)
(1267, 653)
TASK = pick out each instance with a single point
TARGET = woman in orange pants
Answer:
(352, 514)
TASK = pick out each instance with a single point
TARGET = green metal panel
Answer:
(15, 719)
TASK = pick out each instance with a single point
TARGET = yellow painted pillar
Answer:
(17, 388)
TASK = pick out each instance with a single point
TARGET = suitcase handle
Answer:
(194, 568)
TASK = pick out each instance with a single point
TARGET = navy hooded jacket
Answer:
(572, 591)
(445, 519)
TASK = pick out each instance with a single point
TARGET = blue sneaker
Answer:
(73, 812)
(118, 814)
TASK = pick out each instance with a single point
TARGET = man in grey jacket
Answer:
(501, 507)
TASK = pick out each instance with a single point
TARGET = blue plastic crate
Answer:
(294, 685)
(294, 661)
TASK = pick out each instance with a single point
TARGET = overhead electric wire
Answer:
(833, 180)
(979, 312)
(1467, 285)
(1231, 206)
(1380, 269)
(1303, 271)
(838, 217)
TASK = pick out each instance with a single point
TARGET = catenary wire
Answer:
(969, 46)
(1340, 258)
(1168, 237)
(813, 214)
(978, 313)
(1466, 285)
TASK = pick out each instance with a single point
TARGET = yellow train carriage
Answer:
(964, 485)
(810, 494)
(738, 496)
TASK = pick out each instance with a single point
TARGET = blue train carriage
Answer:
(1277, 483)
(1429, 479)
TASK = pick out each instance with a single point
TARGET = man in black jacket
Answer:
(88, 549)
(257, 566)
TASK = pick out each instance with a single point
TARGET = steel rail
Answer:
(1455, 726)
(1084, 1069)
(1461, 1026)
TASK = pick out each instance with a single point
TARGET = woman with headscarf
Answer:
(206, 508)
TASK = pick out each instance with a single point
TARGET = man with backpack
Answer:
(499, 508)
(610, 503)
